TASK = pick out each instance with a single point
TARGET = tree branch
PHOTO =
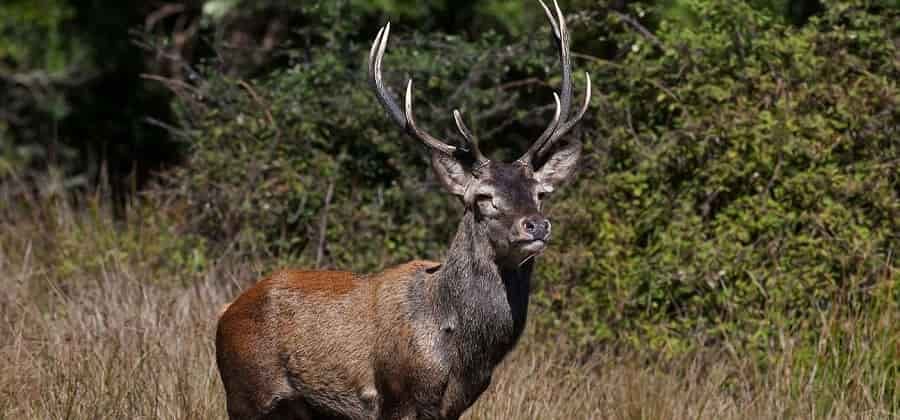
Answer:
(640, 28)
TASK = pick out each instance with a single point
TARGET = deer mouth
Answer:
(533, 246)
(531, 249)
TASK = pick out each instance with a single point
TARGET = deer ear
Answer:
(560, 166)
(451, 172)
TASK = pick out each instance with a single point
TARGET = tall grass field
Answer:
(99, 318)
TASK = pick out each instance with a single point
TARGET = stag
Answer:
(419, 340)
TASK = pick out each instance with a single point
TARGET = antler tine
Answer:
(413, 129)
(561, 33)
(548, 132)
(551, 18)
(375, 57)
(565, 127)
(471, 140)
(407, 120)
(565, 96)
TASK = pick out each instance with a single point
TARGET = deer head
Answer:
(506, 198)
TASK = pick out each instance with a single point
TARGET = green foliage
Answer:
(26, 73)
(740, 180)
(508, 16)
(271, 158)
(25, 24)
(71, 96)
(151, 243)
(748, 186)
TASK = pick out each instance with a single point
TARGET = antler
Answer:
(559, 126)
(557, 129)
(471, 140)
(406, 119)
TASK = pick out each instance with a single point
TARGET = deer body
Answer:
(416, 341)
(420, 340)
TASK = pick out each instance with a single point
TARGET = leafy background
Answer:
(740, 183)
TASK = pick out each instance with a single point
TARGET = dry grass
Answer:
(538, 382)
(113, 338)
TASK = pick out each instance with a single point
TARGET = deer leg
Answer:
(289, 410)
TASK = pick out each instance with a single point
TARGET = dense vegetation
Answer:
(740, 185)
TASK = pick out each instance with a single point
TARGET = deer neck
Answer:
(489, 298)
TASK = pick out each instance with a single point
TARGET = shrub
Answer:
(740, 180)
(304, 162)
(746, 182)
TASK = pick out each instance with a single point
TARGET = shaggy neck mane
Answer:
(490, 299)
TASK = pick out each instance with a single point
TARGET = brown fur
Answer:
(298, 333)
(325, 283)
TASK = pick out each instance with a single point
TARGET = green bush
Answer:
(272, 157)
(745, 182)
(740, 180)
(72, 99)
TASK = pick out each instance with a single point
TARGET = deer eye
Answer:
(486, 202)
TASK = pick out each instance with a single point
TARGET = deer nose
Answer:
(536, 227)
